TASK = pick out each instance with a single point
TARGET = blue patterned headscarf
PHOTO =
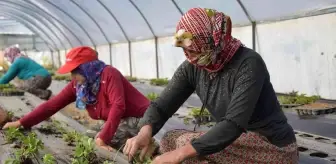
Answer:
(86, 93)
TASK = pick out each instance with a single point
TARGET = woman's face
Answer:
(80, 79)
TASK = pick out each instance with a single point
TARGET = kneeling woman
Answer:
(99, 88)
(234, 85)
(36, 79)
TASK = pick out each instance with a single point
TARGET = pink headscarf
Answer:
(11, 53)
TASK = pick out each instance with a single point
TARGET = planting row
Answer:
(9, 90)
(53, 139)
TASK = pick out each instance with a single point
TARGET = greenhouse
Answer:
(294, 38)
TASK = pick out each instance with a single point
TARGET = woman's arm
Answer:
(50, 107)
(170, 100)
(115, 91)
(12, 72)
(248, 85)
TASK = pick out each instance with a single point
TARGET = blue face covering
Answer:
(88, 91)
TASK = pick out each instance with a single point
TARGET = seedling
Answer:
(54, 127)
(62, 77)
(49, 159)
(10, 115)
(295, 98)
(85, 152)
(131, 79)
(152, 96)
(159, 82)
(108, 162)
(13, 134)
(186, 120)
(29, 149)
(71, 137)
(136, 159)
(197, 112)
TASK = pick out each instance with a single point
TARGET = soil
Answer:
(81, 116)
(317, 105)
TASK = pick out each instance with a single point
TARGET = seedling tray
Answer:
(13, 93)
(287, 106)
(303, 111)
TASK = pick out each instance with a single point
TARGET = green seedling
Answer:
(10, 115)
(108, 162)
(49, 159)
(62, 77)
(186, 120)
(131, 79)
(197, 112)
(84, 151)
(71, 137)
(295, 98)
(29, 149)
(152, 96)
(13, 134)
(159, 82)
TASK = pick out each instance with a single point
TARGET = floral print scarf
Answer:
(86, 93)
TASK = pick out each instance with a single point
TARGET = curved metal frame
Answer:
(89, 15)
(155, 39)
(120, 26)
(22, 14)
(253, 22)
(56, 19)
(22, 21)
(66, 13)
(37, 13)
(177, 7)
(37, 18)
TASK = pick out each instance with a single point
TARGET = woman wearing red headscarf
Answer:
(233, 83)
(96, 87)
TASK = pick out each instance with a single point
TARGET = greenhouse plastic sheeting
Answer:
(67, 23)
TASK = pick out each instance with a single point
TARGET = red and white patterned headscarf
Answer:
(11, 53)
(205, 36)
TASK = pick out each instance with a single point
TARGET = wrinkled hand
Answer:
(172, 157)
(100, 143)
(14, 124)
(141, 141)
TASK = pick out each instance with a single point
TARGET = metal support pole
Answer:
(130, 58)
(110, 50)
(52, 59)
(59, 58)
(157, 57)
(254, 24)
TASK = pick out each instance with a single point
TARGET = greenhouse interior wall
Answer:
(300, 54)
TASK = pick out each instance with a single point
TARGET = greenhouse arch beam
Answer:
(119, 25)
(90, 16)
(80, 26)
(35, 12)
(177, 7)
(155, 39)
(28, 19)
(15, 9)
(56, 19)
(253, 22)
(27, 24)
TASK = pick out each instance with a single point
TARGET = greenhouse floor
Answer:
(316, 137)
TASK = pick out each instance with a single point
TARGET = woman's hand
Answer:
(172, 157)
(141, 141)
(14, 124)
(176, 156)
(101, 144)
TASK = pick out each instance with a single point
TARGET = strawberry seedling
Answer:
(49, 159)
